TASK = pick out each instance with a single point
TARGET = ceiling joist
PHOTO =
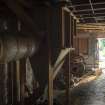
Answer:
(88, 11)
(80, 5)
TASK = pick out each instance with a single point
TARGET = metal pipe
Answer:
(92, 10)
(3, 84)
(16, 47)
(18, 79)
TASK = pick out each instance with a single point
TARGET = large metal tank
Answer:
(16, 47)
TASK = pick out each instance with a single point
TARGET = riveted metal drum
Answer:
(16, 47)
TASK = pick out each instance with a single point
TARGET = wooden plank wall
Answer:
(83, 45)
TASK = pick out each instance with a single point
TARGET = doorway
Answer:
(101, 53)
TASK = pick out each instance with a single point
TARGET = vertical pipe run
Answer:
(10, 83)
(18, 79)
(22, 79)
(3, 84)
(14, 84)
(6, 82)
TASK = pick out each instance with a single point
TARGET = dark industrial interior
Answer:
(52, 52)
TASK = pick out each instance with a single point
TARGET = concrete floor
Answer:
(92, 93)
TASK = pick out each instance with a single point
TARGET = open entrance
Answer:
(101, 53)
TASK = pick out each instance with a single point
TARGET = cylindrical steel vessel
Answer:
(16, 47)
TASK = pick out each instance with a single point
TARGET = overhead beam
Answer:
(89, 28)
(90, 14)
(96, 24)
(93, 17)
(85, 10)
(87, 4)
(91, 25)
(71, 13)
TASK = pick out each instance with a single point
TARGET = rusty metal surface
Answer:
(14, 48)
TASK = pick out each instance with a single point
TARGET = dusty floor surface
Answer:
(92, 93)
